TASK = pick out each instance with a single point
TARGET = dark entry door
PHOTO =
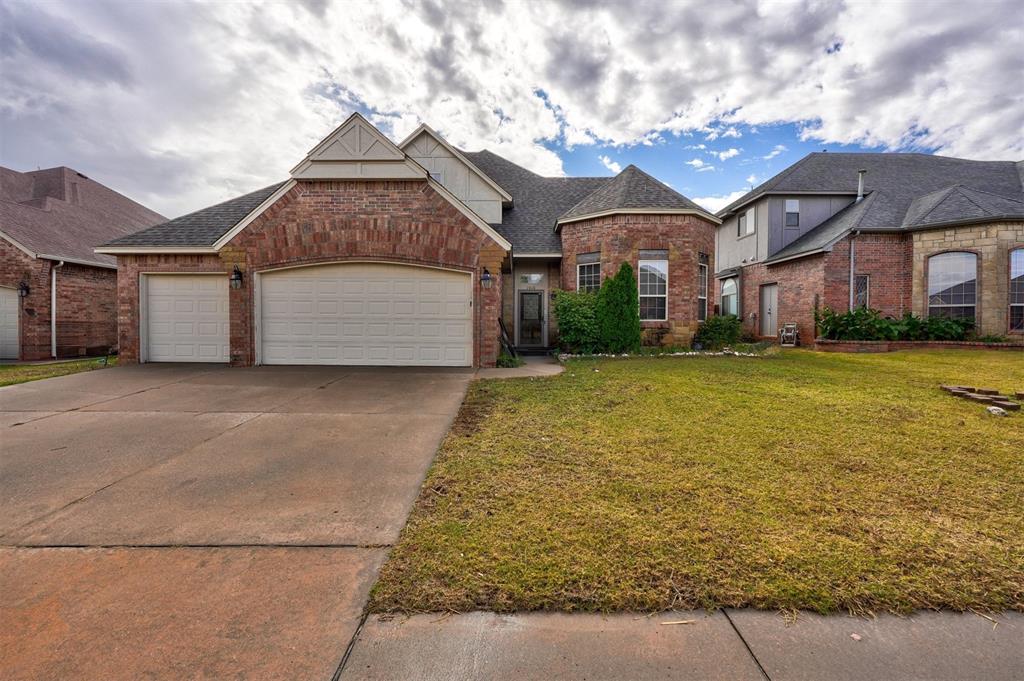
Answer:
(531, 318)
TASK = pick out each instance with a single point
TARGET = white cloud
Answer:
(181, 105)
(779, 148)
(717, 203)
(727, 154)
(751, 179)
(730, 131)
(696, 146)
(610, 164)
(700, 165)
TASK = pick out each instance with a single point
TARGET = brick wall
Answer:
(86, 310)
(885, 258)
(326, 222)
(86, 305)
(34, 321)
(801, 283)
(619, 238)
(992, 243)
(129, 267)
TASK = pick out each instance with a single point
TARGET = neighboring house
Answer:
(58, 298)
(924, 234)
(407, 254)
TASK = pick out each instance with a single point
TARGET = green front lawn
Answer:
(23, 373)
(803, 480)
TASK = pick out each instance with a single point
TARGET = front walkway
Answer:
(734, 645)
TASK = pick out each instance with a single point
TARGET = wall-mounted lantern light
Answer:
(236, 278)
(486, 279)
(23, 290)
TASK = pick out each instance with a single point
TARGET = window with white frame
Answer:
(792, 212)
(588, 272)
(745, 223)
(702, 287)
(588, 277)
(861, 291)
(952, 285)
(1017, 289)
(730, 296)
(652, 279)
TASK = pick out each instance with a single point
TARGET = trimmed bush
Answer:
(868, 325)
(577, 321)
(718, 332)
(618, 312)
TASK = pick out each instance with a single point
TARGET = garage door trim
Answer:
(257, 290)
(144, 304)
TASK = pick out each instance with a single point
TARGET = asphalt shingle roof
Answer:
(60, 213)
(538, 201)
(631, 189)
(907, 191)
(201, 228)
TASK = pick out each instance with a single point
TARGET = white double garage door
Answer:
(355, 313)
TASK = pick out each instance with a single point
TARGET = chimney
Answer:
(860, 184)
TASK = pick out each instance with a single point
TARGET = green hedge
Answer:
(867, 324)
(618, 312)
(606, 321)
(718, 332)
(577, 321)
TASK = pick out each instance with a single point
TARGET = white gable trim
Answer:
(473, 217)
(356, 150)
(143, 250)
(14, 242)
(258, 211)
(457, 154)
(642, 211)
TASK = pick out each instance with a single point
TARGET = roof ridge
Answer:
(983, 191)
(767, 184)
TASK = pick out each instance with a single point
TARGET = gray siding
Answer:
(733, 251)
(814, 210)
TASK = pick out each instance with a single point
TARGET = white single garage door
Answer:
(9, 340)
(186, 318)
(363, 313)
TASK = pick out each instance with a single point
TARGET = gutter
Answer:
(53, 308)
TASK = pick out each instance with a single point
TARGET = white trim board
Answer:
(457, 154)
(641, 211)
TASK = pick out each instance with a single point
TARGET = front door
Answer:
(769, 309)
(531, 318)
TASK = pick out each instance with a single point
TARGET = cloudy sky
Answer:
(182, 105)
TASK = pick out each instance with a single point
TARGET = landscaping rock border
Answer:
(826, 345)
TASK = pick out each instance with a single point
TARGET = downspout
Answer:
(853, 236)
(853, 265)
(53, 308)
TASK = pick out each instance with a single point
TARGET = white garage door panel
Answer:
(367, 314)
(187, 318)
(9, 339)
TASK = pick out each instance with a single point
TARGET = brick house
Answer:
(403, 254)
(898, 233)
(57, 297)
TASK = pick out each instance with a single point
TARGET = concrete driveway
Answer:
(170, 521)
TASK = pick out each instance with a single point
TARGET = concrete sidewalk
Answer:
(533, 367)
(736, 645)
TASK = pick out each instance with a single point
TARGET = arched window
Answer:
(1017, 289)
(952, 285)
(730, 302)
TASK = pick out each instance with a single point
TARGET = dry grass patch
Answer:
(819, 481)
